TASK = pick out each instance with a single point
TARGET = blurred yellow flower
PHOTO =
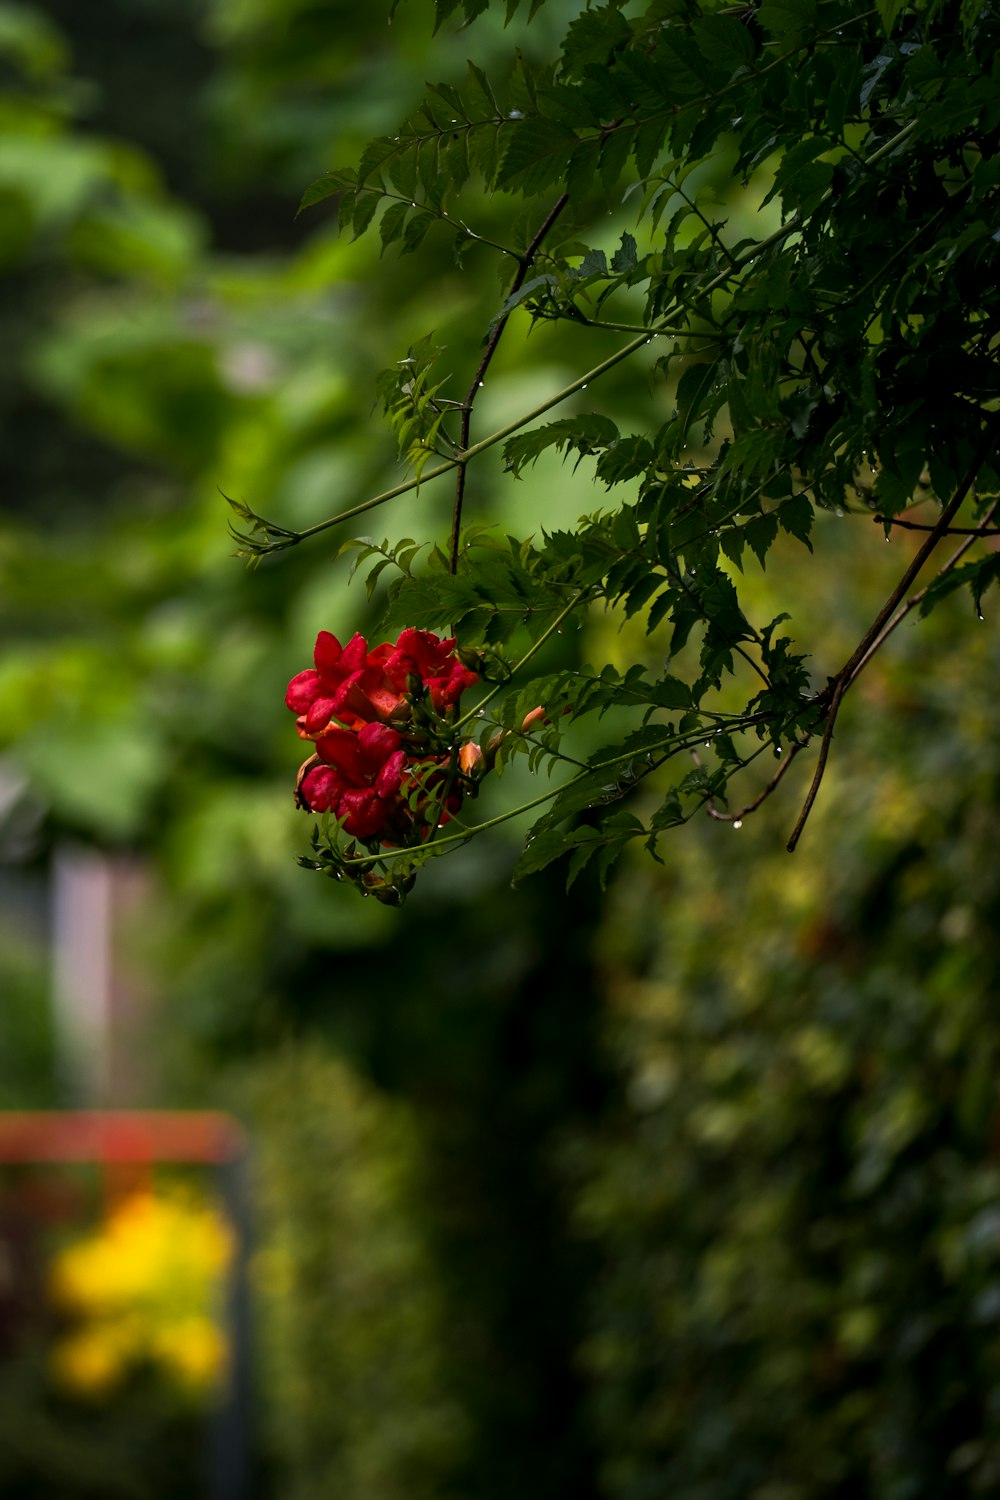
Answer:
(143, 1290)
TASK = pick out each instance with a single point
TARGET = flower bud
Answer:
(471, 659)
(471, 760)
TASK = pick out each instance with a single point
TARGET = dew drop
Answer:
(738, 823)
(981, 615)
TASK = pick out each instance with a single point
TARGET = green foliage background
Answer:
(688, 1190)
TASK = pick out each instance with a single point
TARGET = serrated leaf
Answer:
(978, 576)
(325, 187)
(365, 205)
(536, 155)
(787, 20)
(624, 459)
(416, 228)
(725, 41)
(888, 11)
(760, 534)
(796, 516)
(390, 226)
(585, 434)
(693, 390)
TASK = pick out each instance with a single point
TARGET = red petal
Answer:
(385, 700)
(327, 653)
(319, 789)
(340, 748)
(351, 702)
(354, 655)
(448, 687)
(301, 691)
(378, 742)
(320, 712)
(364, 813)
(391, 775)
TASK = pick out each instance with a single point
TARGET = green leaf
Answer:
(536, 156)
(978, 576)
(788, 21)
(889, 11)
(586, 434)
(693, 390)
(725, 41)
(325, 186)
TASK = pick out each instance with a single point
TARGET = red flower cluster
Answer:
(357, 706)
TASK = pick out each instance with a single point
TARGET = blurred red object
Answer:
(125, 1143)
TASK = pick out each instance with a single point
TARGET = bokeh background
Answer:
(686, 1188)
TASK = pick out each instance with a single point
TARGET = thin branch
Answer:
(850, 667)
(524, 265)
(749, 659)
(713, 229)
(761, 798)
(532, 650)
(972, 534)
(446, 218)
(970, 531)
(824, 750)
(877, 632)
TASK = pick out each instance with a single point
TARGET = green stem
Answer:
(532, 651)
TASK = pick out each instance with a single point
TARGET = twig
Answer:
(532, 650)
(524, 265)
(945, 519)
(824, 750)
(761, 798)
(971, 534)
(969, 531)
(877, 632)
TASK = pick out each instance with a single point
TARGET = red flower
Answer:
(420, 653)
(348, 683)
(381, 781)
(358, 779)
(356, 686)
